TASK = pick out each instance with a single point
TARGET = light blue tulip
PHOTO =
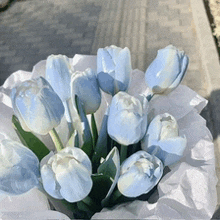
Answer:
(113, 69)
(167, 70)
(67, 175)
(85, 86)
(162, 139)
(19, 168)
(127, 121)
(58, 74)
(139, 174)
(37, 106)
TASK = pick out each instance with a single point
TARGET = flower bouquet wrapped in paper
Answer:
(89, 137)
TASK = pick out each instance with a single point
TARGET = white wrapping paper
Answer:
(188, 191)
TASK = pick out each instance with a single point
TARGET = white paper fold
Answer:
(188, 191)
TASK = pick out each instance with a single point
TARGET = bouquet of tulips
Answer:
(89, 167)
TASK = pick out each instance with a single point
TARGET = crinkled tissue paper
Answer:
(187, 191)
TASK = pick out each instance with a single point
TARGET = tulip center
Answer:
(145, 166)
(169, 128)
(131, 103)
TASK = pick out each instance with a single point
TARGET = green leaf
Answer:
(30, 140)
(87, 146)
(94, 130)
(101, 149)
(100, 188)
(111, 168)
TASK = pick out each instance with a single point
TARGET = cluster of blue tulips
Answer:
(95, 168)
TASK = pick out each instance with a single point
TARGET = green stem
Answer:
(56, 140)
(115, 196)
(88, 201)
(123, 153)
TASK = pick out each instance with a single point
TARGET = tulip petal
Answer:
(113, 69)
(105, 63)
(179, 78)
(139, 174)
(19, 168)
(85, 86)
(127, 121)
(167, 70)
(58, 72)
(75, 181)
(168, 151)
(50, 184)
(120, 128)
(79, 155)
(106, 82)
(133, 184)
(123, 66)
(37, 106)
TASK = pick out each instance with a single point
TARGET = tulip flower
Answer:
(37, 106)
(67, 175)
(127, 121)
(162, 139)
(19, 168)
(113, 69)
(139, 174)
(58, 74)
(85, 86)
(167, 70)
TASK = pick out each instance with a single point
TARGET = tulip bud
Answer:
(114, 69)
(58, 74)
(167, 70)
(85, 86)
(67, 175)
(37, 106)
(162, 139)
(139, 174)
(19, 168)
(127, 121)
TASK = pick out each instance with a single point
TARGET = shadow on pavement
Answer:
(212, 115)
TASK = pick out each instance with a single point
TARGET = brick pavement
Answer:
(31, 30)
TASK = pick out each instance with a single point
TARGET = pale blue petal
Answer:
(19, 168)
(75, 181)
(105, 62)
(58, 75)
(49, 182)
(37, 106)
(178, 80)
(169, 151)
(85, 86)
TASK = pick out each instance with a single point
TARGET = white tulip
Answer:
(113, 69)
(127, 121)
(58, 74)
(85, 86)
(139, 174)
(67, 175)
(162, 139)
(37, 106)
(167, 70)
(19, 168)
